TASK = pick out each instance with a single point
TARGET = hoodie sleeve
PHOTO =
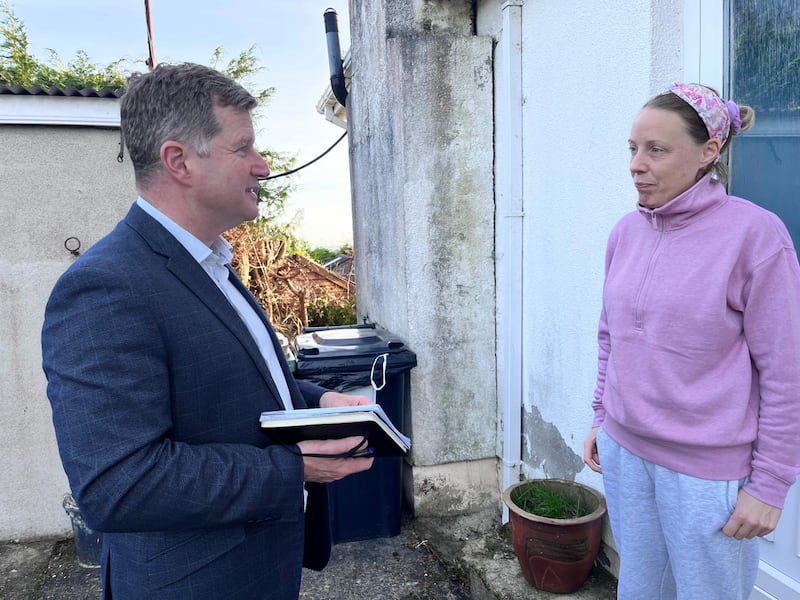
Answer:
(772, 330)
(603, 343)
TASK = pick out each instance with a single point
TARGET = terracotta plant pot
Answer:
(557, 555)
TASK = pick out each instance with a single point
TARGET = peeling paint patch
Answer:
(545, 449)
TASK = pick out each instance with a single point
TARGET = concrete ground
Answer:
(453, 558)
(478, 548)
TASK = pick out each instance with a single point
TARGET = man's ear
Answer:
(174, 158)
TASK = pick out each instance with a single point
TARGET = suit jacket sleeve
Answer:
(311, 392)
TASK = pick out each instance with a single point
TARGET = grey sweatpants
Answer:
(668, 530)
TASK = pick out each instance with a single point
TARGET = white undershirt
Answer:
(214, 265)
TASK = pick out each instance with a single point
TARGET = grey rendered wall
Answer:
(55, 183)
(420, 120)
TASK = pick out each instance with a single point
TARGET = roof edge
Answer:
(18, 109)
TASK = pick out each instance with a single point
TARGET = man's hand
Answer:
(751, 518)
(590, 455)
(325, 470)
(338, 399)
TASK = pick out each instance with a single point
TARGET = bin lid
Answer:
(346, 342)
(345, 357)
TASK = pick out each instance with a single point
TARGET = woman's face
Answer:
(665, 160)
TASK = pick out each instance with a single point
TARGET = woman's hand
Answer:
(751, 518)
(590, 455)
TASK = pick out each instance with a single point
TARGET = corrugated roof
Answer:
(36, 90)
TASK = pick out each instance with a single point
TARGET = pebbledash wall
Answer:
(59, 179)
(488, 146)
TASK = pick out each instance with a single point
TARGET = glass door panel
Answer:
(764, 72)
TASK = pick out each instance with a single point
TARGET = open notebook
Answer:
(292, 426)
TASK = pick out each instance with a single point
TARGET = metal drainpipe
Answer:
(510, 234)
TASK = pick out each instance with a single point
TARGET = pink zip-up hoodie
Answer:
(699, 336)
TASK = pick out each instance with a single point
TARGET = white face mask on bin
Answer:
(384, 358)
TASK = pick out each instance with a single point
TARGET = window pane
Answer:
(764, 72)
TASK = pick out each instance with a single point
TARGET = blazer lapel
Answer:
(297, 398)
(186, 269)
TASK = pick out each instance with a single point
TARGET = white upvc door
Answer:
(769, 155)
(779, 573)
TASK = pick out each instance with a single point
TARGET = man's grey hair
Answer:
(175, 102)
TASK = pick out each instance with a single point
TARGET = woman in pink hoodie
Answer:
(698, 388)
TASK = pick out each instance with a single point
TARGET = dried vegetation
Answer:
(294, 291)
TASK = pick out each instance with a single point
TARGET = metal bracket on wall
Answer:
(121, 153)
(73, 246)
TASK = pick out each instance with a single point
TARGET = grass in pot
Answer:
(556, 530)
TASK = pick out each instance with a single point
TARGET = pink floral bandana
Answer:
(721, 117)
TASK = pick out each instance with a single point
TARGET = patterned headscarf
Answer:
(721, 117)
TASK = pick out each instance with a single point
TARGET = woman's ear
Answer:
(711, 151)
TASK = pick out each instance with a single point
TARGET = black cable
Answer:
(311, 162)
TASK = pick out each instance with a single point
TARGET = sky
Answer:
(289, 36)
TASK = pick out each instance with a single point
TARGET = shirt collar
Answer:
(199, 251)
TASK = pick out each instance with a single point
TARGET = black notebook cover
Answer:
(292, 426)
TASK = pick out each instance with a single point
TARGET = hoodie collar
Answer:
(707, 194)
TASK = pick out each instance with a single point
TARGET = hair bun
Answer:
(736, 118)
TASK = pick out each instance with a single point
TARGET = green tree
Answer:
(18, 66)
(323, 255)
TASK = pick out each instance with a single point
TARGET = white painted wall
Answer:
(57, 182)
(587, 69)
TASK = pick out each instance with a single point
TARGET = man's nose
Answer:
(261, 168)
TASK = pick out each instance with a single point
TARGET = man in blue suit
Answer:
(159, 363)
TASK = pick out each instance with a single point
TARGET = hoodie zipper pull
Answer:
(654, 220)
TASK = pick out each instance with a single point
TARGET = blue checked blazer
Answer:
(156, 387)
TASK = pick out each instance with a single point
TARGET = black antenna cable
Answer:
(311, 162)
